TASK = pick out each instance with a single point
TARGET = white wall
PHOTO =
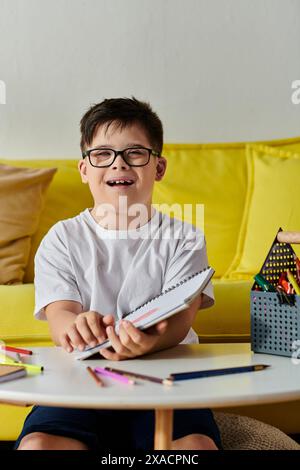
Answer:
(214, 70)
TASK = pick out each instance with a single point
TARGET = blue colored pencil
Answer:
(210, 373)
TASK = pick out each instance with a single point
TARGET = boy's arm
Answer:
(60, 315)
(71, 327)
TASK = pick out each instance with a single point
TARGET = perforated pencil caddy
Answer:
(275, 325)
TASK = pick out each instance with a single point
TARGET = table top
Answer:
(65, 381)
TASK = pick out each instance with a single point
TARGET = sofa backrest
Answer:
(211, 174)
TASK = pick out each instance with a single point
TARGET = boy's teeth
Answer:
(120, 181)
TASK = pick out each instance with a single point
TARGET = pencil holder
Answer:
(275, 325)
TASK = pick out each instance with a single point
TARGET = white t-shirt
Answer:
(115, 271)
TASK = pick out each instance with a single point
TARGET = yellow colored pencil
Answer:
(5, 359)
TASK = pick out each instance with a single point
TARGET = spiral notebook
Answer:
(160, 307)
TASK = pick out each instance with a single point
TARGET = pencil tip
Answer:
(168, 381)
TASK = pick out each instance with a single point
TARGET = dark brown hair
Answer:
(122, 112)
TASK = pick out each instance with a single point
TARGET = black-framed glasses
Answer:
(135, 156)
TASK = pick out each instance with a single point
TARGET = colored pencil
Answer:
(6, 359)
(95, 376)
(141, 376)
(113, 375)
(210, 373)
(17, 350)
(29, 367)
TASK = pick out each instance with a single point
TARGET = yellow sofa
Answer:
(212, 174)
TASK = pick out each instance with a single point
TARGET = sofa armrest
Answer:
(18, 325)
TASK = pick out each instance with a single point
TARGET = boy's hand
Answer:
(131, 341)
(88, 329)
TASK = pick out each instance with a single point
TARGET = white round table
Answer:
(65, 382)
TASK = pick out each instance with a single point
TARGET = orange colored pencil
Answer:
(95, 376)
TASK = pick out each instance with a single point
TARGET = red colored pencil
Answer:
(17, 350)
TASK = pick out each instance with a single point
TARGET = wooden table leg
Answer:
(163, 429)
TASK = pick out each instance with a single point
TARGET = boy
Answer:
(91, 268)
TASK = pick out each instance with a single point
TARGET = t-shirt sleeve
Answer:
(190, 257)
(54, 279)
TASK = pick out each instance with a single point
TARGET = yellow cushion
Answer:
(66, 197)
(272, 201)
(199, 174)
(214, 175)
(22, 193)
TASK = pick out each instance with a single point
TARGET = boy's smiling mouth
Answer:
(120, 182)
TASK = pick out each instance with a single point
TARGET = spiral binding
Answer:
(169, 289)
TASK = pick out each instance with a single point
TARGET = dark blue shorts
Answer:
(105, 430)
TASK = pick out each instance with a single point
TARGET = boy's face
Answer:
(140, 191)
